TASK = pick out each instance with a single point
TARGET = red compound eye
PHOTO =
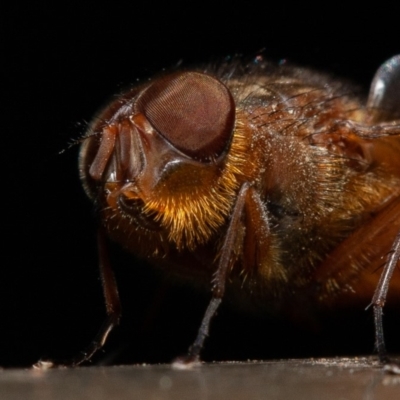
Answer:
(193, 111)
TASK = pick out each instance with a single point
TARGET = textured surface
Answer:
(297, 379)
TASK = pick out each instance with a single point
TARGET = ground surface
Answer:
(339, 378)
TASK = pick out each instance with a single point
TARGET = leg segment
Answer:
(220, 276)
(378, 301)
(113, 308)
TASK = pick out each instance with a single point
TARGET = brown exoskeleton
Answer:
(274, 177)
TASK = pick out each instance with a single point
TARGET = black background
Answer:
(60, 64)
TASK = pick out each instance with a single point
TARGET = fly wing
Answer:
(384, 95)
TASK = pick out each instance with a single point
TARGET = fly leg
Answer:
(218, 284)
(378, 301)
(366, 245)
(249, 213)
(113, 309)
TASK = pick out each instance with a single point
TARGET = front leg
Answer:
(248, 208)
(113, 309)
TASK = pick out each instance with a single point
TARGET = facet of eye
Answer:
(193, 111)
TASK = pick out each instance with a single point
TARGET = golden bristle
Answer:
(192, 217)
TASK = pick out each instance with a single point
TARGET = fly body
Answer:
(271, 184)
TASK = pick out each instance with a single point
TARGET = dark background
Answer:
(60, 64)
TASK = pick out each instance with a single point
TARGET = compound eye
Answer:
(193, 111)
